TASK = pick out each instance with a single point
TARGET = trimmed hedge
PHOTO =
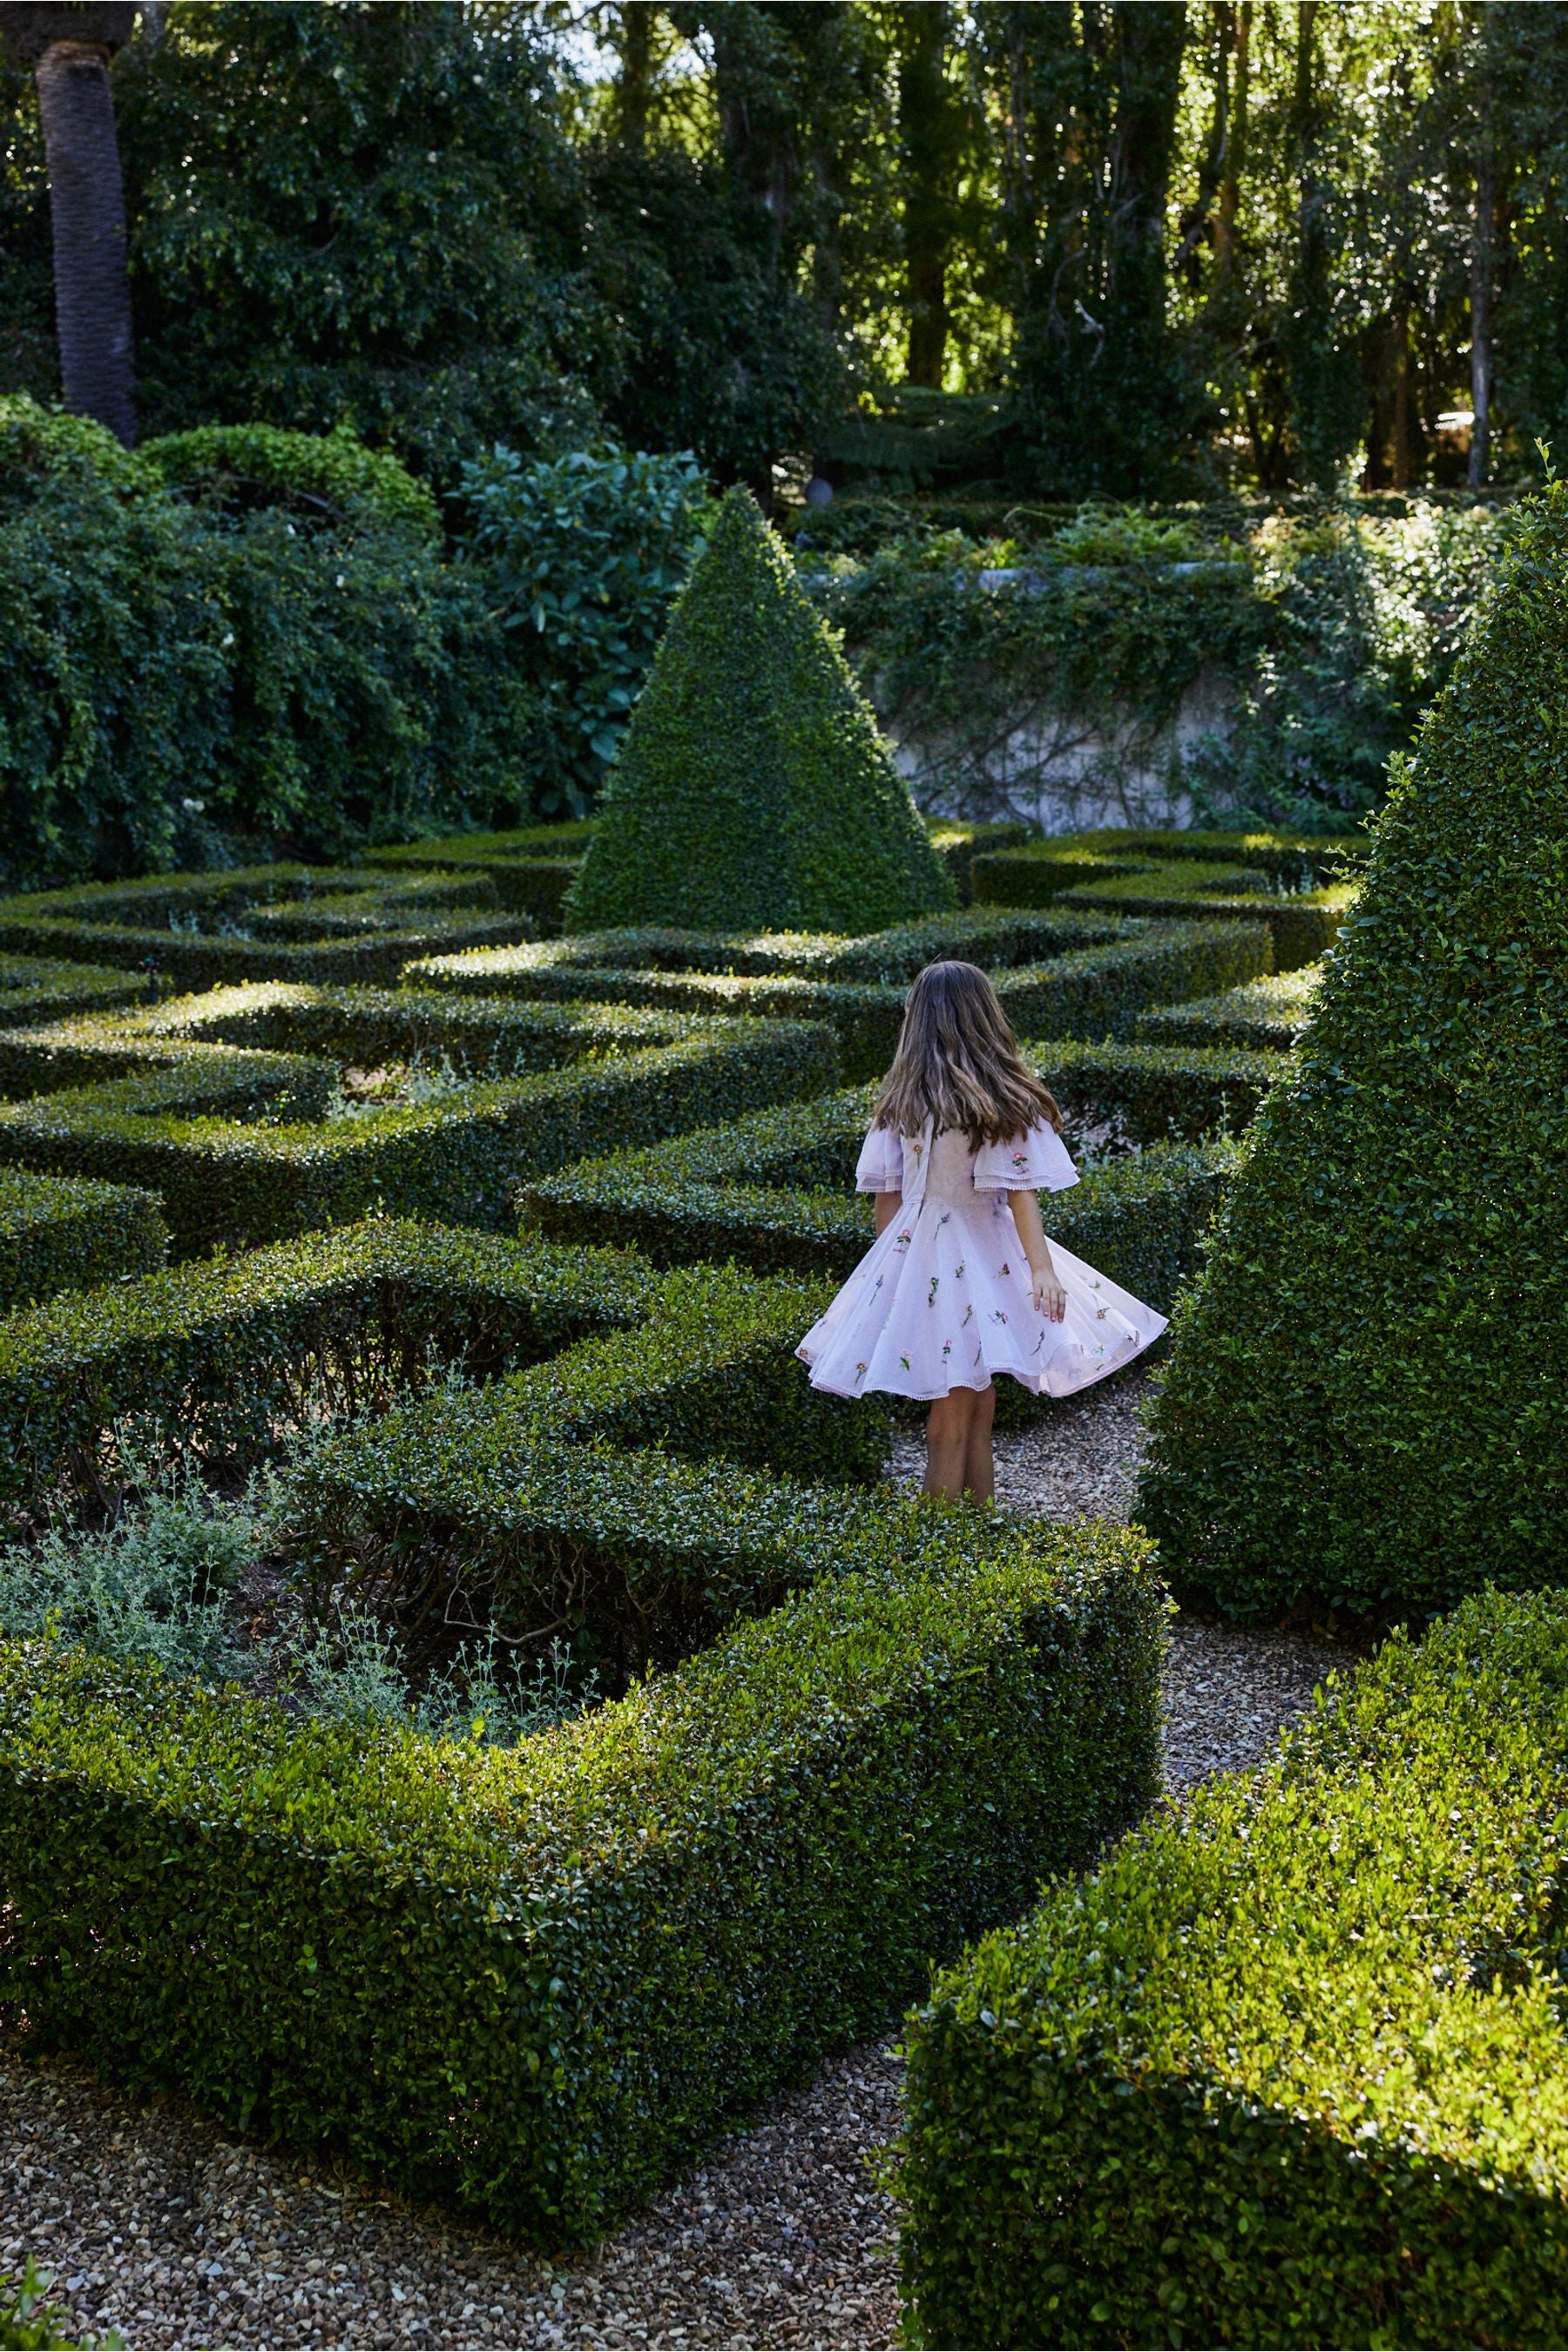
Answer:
(240, 1180)
(40, 988)
(1303, 925)
(227, 1354)
(752, 789)
(958, 844)
(536, 1981)
(774, 1191)
(1291, 859)
(1100, 988)
(1265, 1015)
(533, 866)
(438, 1496)
(201, 930)
(69, 1237)
(1289, 2068)
(1365, 1404)
(1151, 1092)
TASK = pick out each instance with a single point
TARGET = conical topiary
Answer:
(1367, 1400)
(752, 790)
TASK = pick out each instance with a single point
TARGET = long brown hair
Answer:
(958, 1063)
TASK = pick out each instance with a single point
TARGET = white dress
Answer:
(943, 1298)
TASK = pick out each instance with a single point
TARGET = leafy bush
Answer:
(43, 988)
(174, 676)
(1267, 1015)
(328, 476)
(536, 1981)
(69, 1237)
(32, 2320)
(775, 1190)
(1363, 1403)
(753, 789)
(585, 553)
(1098, 987)
(1287, 2069)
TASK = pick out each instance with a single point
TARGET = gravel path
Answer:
(155, 2222)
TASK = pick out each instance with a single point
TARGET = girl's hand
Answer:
(1050, 1298)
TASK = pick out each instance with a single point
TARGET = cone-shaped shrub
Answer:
(1365, 1401)
(752, 790)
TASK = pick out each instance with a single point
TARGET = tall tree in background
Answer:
(934, 134)
(1324, 364)
(68, 48)
(1091, 96)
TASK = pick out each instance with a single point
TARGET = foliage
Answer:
(329, 476)
(1287, 2069)
(1362, 1403)
(58, 1236)
(1267, 1015)
(753, 789)
(1296, 656)
(32, 2320)
(615, 1935)
(1095, 973)
(173, 679)
(585, 553)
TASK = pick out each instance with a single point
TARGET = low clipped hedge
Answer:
(69, 1237)
(1288, 2069)
(43, 988)
(1265, 1015)
(1303, 926)
(531, 866)
(245, 1180)
(1291, 859)
(227, 1354)
(1150, 1092)
(463, 1494)
(197, 930)
(775, 1192)
(536, 1981)
(1098, 989)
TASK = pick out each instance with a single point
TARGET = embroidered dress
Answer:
(944, 1300)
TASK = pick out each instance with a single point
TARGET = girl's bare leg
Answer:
(979, 1470)
(948, 1426)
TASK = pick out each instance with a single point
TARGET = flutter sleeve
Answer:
(881, 1167)
(1035, 1163)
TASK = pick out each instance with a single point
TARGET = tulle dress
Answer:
(943, 1298)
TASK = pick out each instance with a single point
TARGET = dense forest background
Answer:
(1142, 250)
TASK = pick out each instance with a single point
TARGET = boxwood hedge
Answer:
(243, 1178)
(775, 1190)
(42, 988)
(1099, 989)
(1264, 1016)
(252, 923)
(1288, 2069)
(535, 1981)
(1364, 1403)
(226, 1355)
(57, 1235)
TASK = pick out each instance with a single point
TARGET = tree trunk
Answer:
(925, 130)
(87, 209)
(634, 83)
(1235, 165)
(1481, 301)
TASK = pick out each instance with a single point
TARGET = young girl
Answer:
(959, 1283)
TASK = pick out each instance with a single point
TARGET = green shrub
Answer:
(775, 1192)
(1364, 1403)
(32, 2320)
(198, 931)
(237, 1147)
(330, 476)
(1303, 924)
(959, 843)
(753, 789)
(1287, 2069)
(535, 1983)
(584, 554)
(1098, 989)
(1265, 1015)
(178, 679)
(38, 988)
(69, 1237)
(1151, 1092)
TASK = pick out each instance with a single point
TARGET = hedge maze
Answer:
(491, 1248)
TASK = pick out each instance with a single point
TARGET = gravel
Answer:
(156, 2222)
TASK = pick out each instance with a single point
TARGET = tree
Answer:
(752, 791)
(68, 48)
(933, 138)
(1364, 1402)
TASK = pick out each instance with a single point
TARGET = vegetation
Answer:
(1361, 1407)
(752, 792)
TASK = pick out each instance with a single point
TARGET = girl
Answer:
(959, 1283)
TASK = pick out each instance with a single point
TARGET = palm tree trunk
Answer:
(87, 209)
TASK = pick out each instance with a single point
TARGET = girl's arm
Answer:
(888, 1207)
(1050, 1298)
